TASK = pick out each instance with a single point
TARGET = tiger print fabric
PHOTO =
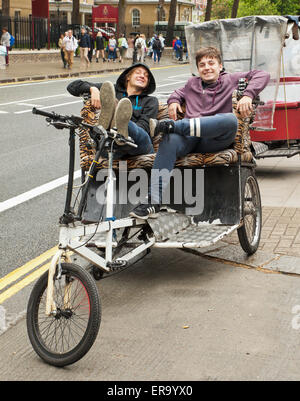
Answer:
(241, 144)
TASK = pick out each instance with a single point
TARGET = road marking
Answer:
(12, 202)
(48, 107)
(21, 271)
(23, 283)
(35, 98)
(3, 112)
(29, 105)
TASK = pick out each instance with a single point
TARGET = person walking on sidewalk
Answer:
(123, 46)
(99, 47)
(84, 47)
(135, 107)
(5, 41)
(92, 46)
(70, 46)
(112, 49)
(140, 45)
(62, 49)
(156, 46)
(208, 126)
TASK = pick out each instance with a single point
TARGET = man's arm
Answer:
(258, 80)
(175, 101)
(80, 88)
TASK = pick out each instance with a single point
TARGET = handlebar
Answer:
(76, 122)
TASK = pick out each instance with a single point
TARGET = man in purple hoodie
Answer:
(208, 125)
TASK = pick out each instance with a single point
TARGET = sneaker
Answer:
(145, 211)
(107, 100)
(123, 116)
(161, 127)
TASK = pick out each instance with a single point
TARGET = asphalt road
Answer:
(174, 316)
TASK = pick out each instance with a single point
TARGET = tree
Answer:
(5, 7)
(171, 22)
(121, 19)
(208, 10)
(75, 12)
(234, 9)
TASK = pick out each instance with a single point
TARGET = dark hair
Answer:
(211, 52)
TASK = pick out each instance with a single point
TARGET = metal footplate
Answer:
(173, 230)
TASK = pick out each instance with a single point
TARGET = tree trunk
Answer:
(121, 18)
(234, 9)
(171, 22)
(75, 12)
(208, 10)
(5, 8)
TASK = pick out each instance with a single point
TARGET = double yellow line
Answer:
(14, 276)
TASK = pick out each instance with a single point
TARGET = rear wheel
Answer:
(65, 337)
(249, 233)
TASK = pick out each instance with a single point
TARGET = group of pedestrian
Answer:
(68, 45)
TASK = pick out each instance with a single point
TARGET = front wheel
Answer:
(249, 233)
(65, 337)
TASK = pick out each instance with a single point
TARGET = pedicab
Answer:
(221, 196)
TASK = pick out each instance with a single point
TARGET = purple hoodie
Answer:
(217, 97)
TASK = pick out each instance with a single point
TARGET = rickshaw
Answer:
(64, 311)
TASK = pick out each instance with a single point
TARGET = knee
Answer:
(231, 123)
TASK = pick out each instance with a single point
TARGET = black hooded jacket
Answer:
(143, 105)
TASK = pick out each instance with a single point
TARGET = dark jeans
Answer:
(216, 133)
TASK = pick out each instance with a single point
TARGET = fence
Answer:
(33, 33)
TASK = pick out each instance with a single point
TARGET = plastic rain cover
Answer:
(245, 44)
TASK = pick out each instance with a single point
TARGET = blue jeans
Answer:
(216, 133)
(157, 53)
(140, 137)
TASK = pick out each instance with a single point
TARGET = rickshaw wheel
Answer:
(66, 336)
(249, 233)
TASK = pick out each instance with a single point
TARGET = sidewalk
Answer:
(39, 70)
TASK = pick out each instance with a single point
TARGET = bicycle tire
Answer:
(81, 308)
(249, 233)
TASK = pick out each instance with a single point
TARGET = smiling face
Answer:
(209, 69)
(137, 80)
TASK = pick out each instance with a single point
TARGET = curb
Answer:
(67, 75)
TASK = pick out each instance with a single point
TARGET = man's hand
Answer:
(173, 108)
(244, 106)
(95, 97)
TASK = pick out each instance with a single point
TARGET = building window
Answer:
(135, 17)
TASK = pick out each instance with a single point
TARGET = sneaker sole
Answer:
(152, 126)
(152, 216)
(107, 100)
(123, 116)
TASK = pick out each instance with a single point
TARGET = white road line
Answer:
(29, 104)
(35, 98)
(12, 202)
(48, 107)
(3, 112)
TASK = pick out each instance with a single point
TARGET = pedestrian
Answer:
(178, 49)
(84, 47)
(92, 46)
(156, 46)
(208, 125)
(141, 47)
(112, 49)
(5, 41)
(62, 49)
(162, 41)
(99, 47)
(123, 46)
(70, 46)
(135, 106)
(130, 42)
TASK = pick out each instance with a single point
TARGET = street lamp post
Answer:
(158, 8)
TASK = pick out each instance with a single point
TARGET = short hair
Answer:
(211, 52)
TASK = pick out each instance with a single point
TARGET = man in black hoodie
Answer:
(136, 83)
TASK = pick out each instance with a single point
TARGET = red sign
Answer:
(105, 13)
(40, 8)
